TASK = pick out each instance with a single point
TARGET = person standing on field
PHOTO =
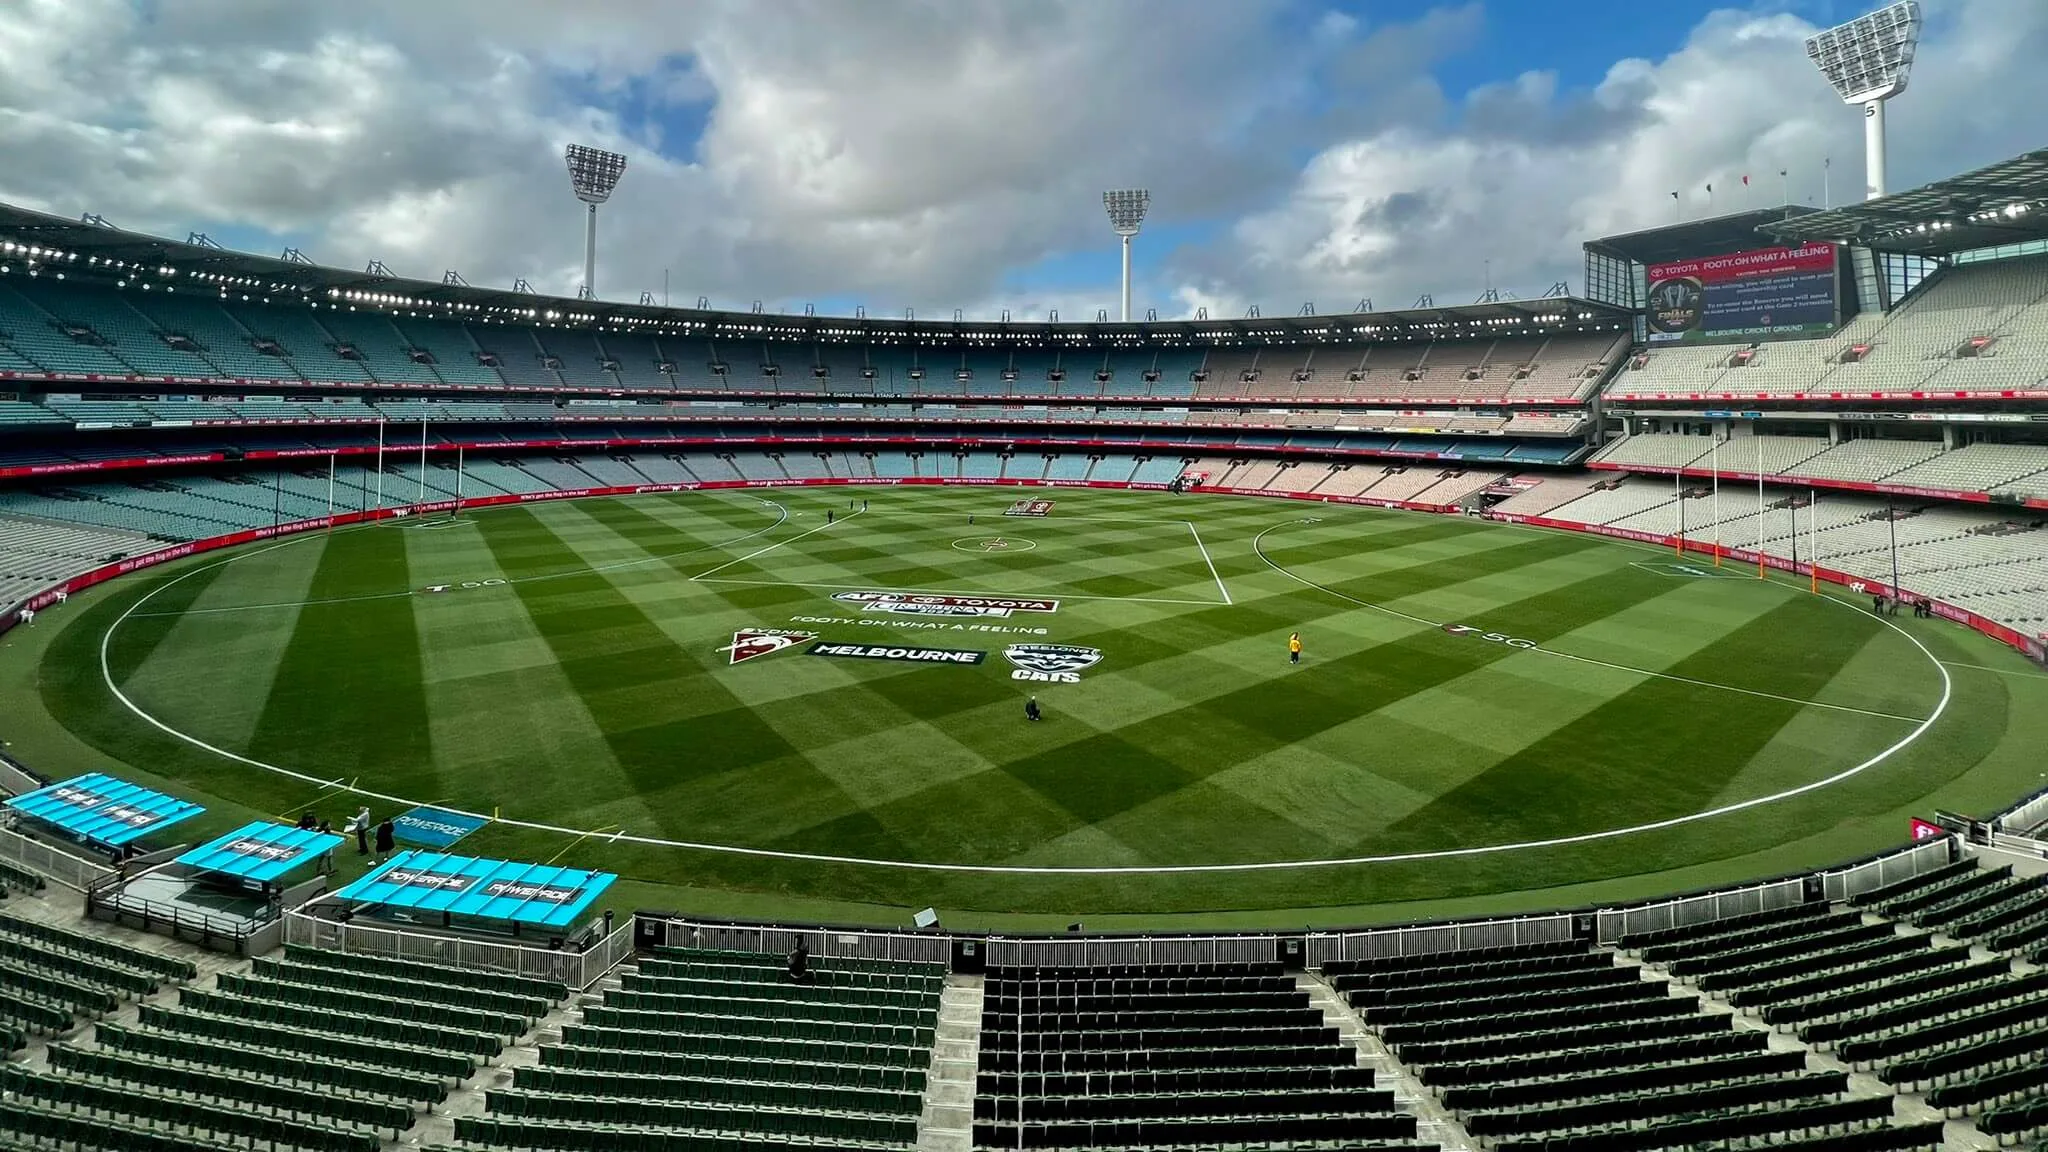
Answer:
(1294, 648)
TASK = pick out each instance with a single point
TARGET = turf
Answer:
(571, 676)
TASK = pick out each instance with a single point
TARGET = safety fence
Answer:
(2025, 817)
(1890, 868)
(1611, 924)
(824, 943)
(1327, 947)
(1093, 951)
(578, 970)
(72, 871)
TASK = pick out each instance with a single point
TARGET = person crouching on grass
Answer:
(1031, 711)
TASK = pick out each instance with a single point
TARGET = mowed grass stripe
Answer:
(349, 661)
(500, 707)
(213, 672)
(704, 762)
(1658, 750)
(1138, 766)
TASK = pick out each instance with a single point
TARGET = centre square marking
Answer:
(994, 545)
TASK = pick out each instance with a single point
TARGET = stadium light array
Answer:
(1126, 208)
(593, 174)
(1868, 61)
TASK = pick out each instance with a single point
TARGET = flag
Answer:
(1674, 195)
(1710, 189)
(1745, 179)
(1784, 172)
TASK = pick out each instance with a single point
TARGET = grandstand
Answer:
(1887, 1005)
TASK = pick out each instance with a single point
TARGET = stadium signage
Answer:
(435, 827)
(1030, 508)
(1762, 292)
(1051, 663)
(87, 800)
(493, 582)
(908, 655)
(906, 625)
(439, 881)
(916, 603)
(265, 849)
(939, 610)
(1489, 637)
(518, 890)
(748, 643)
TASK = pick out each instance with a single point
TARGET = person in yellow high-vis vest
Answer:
(1294, 648)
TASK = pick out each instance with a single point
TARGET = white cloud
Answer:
(920, 153)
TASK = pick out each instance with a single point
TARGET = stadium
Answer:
(449, 717)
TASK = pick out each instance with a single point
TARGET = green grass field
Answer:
(571, 677)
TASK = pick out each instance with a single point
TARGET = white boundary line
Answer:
(1601, 663)
(2014, 673)
(1215, 575)
(774, 546)
(1947, 687)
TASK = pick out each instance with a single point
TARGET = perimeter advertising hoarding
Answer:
(1763, 294)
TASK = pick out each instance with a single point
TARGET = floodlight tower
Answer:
(1126, 212)
(593, 173)
(1867, 60)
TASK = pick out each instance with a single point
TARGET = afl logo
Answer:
(1676, 304)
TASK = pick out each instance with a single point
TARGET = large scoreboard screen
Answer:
(1763, 294)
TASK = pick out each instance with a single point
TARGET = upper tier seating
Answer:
(1973, 327)
(77, 328)
(1129, 1056)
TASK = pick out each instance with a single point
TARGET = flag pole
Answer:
(423, 460)
(330, 485)
(457, 510)
(380, 464)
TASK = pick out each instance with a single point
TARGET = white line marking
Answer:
(2014, 673)
(1217, 576)
(957, 592)
(1588, 659)
(773, 547)
(1947, 687)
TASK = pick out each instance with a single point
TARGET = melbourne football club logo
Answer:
(748, 643)
(1051, 663)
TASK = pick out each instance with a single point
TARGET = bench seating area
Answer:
(51, 977)
(308, 1049)
(712, 1049)
(1557, 1047)
(1200, 1055)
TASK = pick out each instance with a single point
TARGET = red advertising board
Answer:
(1764, 293)
(1757, 262)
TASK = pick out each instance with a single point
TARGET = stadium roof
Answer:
(498, 891)
(101, 810)
(2005, 203)
(261, 851)
(1735, 232)
(86, 250)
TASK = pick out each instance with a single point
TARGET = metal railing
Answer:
(1421, 940)
(578, 970)
(1611, 924)
(71, 871)
(1089, 951)
(1892, 867)
(2024, 817)
(824, 943)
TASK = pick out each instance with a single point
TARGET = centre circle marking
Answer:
(993, 545)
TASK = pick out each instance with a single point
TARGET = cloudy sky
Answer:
(935, 154)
